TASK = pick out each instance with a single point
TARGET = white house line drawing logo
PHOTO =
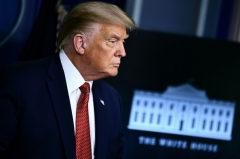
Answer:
(182, 110)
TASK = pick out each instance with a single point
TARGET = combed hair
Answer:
(83, 16)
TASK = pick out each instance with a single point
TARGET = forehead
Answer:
(113, 31)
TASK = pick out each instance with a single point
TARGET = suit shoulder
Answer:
(102, 85)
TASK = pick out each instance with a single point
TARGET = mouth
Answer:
(116, 64)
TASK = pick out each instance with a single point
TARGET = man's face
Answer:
(104, 50)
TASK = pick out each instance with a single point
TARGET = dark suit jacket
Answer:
(35, 114)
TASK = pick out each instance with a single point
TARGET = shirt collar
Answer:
(73, 78)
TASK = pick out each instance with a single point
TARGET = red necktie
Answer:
(83, 142)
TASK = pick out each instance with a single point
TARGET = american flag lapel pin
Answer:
(102, 101)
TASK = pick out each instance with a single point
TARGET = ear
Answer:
(79, 42)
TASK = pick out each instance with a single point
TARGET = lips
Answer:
(115, 64)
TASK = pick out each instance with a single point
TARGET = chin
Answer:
(109, 73)
(113, 73)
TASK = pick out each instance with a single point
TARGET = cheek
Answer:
(98, 60)
(101, 55)
(103, 61)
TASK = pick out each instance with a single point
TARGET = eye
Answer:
(112, 42)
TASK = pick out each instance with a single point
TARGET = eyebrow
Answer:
(117, 37)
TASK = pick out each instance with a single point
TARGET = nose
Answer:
(121, 50)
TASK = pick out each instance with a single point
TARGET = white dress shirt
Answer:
(74, 80)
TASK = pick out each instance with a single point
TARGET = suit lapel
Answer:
(58, 90)
(101, 122)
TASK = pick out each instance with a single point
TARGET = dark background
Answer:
(170, 60)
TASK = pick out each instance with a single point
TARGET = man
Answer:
(39, 99)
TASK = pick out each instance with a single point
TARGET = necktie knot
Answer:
(85, 88)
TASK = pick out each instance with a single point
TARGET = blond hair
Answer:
(83, 16)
